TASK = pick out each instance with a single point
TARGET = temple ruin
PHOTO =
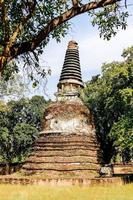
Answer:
(67, 146)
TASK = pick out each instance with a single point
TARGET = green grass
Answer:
(40, 192)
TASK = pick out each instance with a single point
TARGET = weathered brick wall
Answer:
(68, 117)
(66, 182)
(59, 155)
(122, 169)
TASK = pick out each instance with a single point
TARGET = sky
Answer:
(93, 50)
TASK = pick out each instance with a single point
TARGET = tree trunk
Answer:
(0, 75)
(7, 168)
(2, 61)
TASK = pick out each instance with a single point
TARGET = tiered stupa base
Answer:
(68, 146)
(58, 155)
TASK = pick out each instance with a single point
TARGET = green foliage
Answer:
(28, 111)
(109, 19)
(24, 136)
(16, 144)
(24, 22)
(38, 14)
(20, 123)
(5, 144)
(122, 134)
(128, 54)
(4, 111)
(110, 97)
(9, 71)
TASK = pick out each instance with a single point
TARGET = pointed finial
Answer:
(72, 45)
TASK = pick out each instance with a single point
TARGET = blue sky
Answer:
(93, 50)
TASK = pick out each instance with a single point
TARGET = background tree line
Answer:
(110, 97)
(20, 123)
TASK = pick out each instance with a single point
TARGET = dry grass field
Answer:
(40, 192)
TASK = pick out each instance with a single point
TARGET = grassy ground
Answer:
(36, 192)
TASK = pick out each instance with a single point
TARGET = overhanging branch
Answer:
(72, 12)
(21, 25)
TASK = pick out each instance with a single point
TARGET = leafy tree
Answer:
(27, 26)
(122, 134)
(4, 112)
(18, 112)
(110, 96)
(27, 111)
(24, 136)
(15, 145)
(37, 105)
(20, 123)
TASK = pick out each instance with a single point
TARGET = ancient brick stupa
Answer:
(67, 146)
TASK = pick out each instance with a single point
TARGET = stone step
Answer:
(61, 166)
(66, 142)
(91, 173)
(62, 154)
(42, 148)
(71, 138)
(71, 152)
(51, 145)
(66, 138)
(58, 159)
(56, 155)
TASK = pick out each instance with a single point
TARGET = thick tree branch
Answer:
(20, 26)
(6, 55)
(72, 12)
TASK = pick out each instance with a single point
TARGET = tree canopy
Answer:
(27, 26)
(15, 145)
(20, 123)
(110, 96)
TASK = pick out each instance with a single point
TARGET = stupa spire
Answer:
(70, 80)
(67, 146)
